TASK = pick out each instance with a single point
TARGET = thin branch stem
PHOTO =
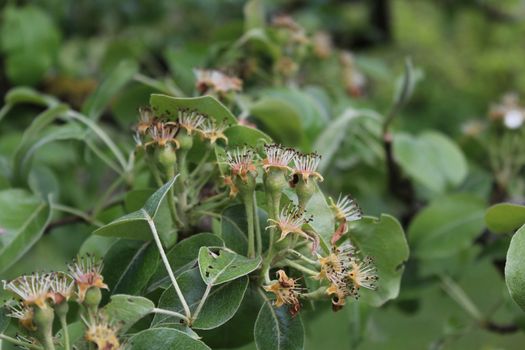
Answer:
(169, 313)
(300, 267)
(76, 212)
(258, 234)
(20, 343)
(203, 300)
(65, 330)
(302, 257)
(248, 206)
(101, 134)
(167, 264)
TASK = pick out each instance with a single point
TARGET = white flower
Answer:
(514, 118)
(278, 156)
(305, 165)
(32, 289)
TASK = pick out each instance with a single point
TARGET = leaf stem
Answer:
(258, 234)
(76, 212)
(300, 267)
(20, 343)
(169, 313)
(167, 264)
(101, 134)
(248, 206)
(203, 300)
(461, 298)
(63, 324)
(302, 257)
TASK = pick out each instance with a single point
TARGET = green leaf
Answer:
(431, 159)
(22, 221)
(280, 119)
(515, 268)
(165, 339)
(384, 240)
(129, 265)
(240, 135)
(169, 106)
(29, 41)
(135, 200)
(276, 329)
(219, 265)
(23, 94)
(31, 135)
(445, 227)
(4, 320)
(222, 303)
(505, 217)
(323, 217)
(125, 310)
(98, 100)
(135, 224)
(238, 331)
(182, 257)
(347, 127)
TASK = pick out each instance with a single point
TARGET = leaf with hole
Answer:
(182, 257)
(219, 265)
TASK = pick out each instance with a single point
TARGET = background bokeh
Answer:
(466, 55)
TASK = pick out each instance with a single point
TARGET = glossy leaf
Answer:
(117, 79)
(129, 265)
(22, 221)
(515, 268)
(447, 226)
(505, 217)
(169, 106)
(135, 225)
(165, 339)
(276, 329)
(222, 303)
(219, 265)
(125, 310)
(183, 256)
(431, 159)
(384, 240)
